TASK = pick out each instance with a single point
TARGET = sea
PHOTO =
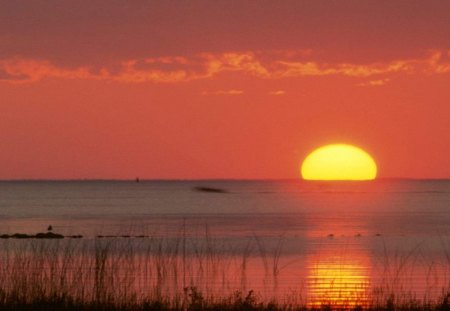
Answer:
(334, 241)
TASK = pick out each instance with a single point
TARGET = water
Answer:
(336, 241)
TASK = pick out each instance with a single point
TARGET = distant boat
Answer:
(210, 189)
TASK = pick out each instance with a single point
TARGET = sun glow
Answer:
(339, 162)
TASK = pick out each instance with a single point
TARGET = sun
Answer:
(339, 162)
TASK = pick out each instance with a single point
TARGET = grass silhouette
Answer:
(177, 273)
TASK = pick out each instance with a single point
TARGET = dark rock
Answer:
(79, 236)
(22, 236)
(210, 189)
(49, 235)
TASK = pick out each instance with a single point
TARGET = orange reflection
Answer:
(337, 280)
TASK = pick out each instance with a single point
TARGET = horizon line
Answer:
(138, 179)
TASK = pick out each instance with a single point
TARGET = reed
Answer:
(182, 273)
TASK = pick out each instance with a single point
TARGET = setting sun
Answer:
(339, 162)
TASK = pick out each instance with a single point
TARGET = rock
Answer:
(21, 236)
(210, 189)
(49, 235)
(79, 236)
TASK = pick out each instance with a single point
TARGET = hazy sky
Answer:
(221, 89)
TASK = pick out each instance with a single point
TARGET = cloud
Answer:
(436, 63)
(296, 69)
(26, 70)
(277, 93)
(263, 65)
(5, 76)
(379, 82)
(221, 92)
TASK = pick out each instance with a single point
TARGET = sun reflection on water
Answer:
(338, 280)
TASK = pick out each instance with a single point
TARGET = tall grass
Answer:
(185, 272)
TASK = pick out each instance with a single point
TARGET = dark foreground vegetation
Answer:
(195, 302)
(179, 274)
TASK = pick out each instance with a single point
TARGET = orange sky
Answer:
(221, 89)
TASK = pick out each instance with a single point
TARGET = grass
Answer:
(182, 273)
